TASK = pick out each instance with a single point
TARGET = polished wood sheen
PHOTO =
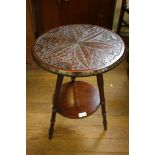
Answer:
(78, 97)
(77, 136)
(53, 13)
(78, 51)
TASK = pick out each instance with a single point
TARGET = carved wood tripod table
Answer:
(78, 51)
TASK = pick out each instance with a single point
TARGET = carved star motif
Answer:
(78, 47)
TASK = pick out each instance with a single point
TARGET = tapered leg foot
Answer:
(104, 115)
(104, 121)
(104, 118)
(51, 129)
(56, 97)
(102, 99)
(105, 125)
(50, 133)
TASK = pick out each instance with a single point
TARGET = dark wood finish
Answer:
(72, 79)
(54, 13)
(78, 97)
(56, 97)
(77, 136)
(30, 32)
(79, 50)
(47, 13)
(102, 98)
(122, 22)
(98, 12)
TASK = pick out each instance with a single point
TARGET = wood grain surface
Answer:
(78, 97)
(83, 136)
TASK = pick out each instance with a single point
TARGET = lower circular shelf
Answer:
(78, 100)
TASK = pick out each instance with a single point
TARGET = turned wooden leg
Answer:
(102, 98)
(56, 97)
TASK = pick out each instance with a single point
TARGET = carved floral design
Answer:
(79, 48)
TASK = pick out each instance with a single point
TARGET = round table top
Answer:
(79, 50)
